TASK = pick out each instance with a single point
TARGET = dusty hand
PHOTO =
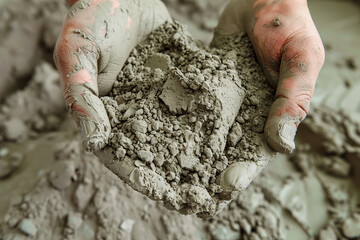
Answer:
(97, 38)
(290, 50)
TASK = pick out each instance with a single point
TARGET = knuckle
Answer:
(298, 106)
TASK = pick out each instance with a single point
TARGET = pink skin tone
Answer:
(96, 39)
(289, 48)
(66, 59)
(78, 82)
(285, 40)
(291, 53)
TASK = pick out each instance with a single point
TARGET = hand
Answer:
(97, 38)
(289, 48)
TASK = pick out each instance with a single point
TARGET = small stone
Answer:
(171, 176)
(188, 162)
(192, 119)
(4, 152)
(235, 134)
(146, 156)
(62, 175)
(139, 126)
(120, 153)
(198, 126)
(173, 148)
(159, 160)
(199, 79)
(125, 142)
(83, 195)
(351, 227)
(327, 234)
(27, 227)
(127, 225)
(208, 153)
(129, 113)
(141, 137)
(14, 129)
(12, 222)
(74, 220)
(158, 61)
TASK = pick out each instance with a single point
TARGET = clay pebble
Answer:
(187, 114)
(27, 227)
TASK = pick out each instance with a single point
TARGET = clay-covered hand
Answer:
(97, 38)
(289, 48)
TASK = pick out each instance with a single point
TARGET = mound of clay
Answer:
(182, 114)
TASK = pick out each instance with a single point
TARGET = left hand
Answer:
(289, 48)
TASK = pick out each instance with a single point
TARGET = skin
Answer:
(96, 40)
(289, 48)
(98, 36)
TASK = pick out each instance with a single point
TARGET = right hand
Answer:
(96, 40)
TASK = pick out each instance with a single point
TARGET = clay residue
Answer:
(312, 194)
(181, 114)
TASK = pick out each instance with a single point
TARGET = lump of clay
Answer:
(63, 174)
(351, 227)
(14, 129)
(27, 227)
(181, 115)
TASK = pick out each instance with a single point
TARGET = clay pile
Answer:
(182, 114)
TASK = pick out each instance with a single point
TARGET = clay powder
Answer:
(182, 113)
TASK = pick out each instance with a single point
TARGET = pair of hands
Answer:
(99, 35)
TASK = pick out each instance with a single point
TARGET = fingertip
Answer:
(94, 134)
(92, 120)
(280, 135)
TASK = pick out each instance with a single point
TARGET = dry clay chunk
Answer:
(181, 115)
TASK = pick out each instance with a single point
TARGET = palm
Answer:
(96, 40)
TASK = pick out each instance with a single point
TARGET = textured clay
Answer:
(182, 114)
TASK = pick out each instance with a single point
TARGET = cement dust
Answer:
(180, 114)
(56, 191)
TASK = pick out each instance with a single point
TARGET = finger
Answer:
(302, 59)
(76, 59)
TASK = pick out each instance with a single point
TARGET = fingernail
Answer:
(287, 132)
(93, 138)
(280, 136)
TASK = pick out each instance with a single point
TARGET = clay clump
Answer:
(181, 114)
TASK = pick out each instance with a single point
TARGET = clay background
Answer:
(51, 189)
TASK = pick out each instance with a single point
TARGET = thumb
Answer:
(76, 59)
(302, 59)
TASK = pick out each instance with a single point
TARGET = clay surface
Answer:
(180, 117)
(313, 194)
